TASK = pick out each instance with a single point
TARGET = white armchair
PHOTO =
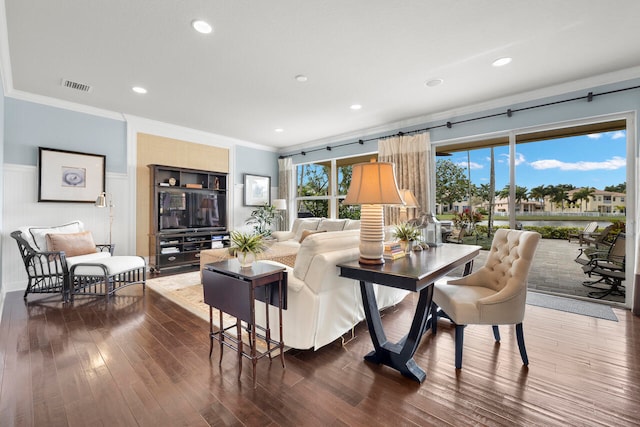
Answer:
(493, 295)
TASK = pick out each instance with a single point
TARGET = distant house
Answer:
(604, 202)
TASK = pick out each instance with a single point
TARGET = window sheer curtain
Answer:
(412, 156)
(285, 188)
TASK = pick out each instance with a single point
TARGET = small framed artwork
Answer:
(70, 176)
(257, 190)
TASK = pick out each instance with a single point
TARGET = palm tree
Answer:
(585, 194)
(522, 193)
(539, 193)
(559, 194)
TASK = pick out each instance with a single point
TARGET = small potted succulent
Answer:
(245, 246)
(406, 234)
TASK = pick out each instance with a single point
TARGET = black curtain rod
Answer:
(509, 113)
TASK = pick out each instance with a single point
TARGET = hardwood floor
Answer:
(142, 360)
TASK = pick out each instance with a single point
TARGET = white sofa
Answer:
(321, 305)
(305, 226)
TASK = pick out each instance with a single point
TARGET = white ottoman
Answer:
(106, 275)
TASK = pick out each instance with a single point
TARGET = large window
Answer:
(322, 186)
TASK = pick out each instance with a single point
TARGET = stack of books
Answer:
(170, 250)
(393, 250)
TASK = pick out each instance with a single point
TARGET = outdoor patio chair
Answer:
(590, 228)
(493, 295)
(599, 239)
(456, 235)
(608, 265)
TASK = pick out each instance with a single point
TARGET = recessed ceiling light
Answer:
(356, 107)
(501, 62)
(301, 78)
(434, 82)
(279, 130)
(138, 89)
(201, 26)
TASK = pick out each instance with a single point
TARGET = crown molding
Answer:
(65, 105)
(169, 130)
(546, 92)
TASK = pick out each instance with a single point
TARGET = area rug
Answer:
(186, 291)
(585, 308)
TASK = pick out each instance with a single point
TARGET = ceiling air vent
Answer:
(77, 86)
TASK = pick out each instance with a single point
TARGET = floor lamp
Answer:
(372, 186)
(280, 205)
(102, 202)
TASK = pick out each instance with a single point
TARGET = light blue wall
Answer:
(605, 104)
(258, 162)
(29, 125)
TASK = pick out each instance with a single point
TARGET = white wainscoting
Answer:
(20, 193)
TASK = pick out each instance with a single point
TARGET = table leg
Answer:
(240, 344)
(398, 356)
(280, 302)
(210, 331)
(221, 332)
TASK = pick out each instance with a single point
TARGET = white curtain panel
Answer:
(412, 156)
(285, 188)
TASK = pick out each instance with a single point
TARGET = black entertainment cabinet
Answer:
(188, 215)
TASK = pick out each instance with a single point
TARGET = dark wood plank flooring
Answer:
(141, 360)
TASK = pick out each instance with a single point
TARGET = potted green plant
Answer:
(406, 234)
(246, 246)
(262, 218)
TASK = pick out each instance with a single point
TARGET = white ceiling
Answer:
(239, 80)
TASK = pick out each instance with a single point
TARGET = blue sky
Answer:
(595, 160)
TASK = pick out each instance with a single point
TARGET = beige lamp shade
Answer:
(409, 199)
(280, 204)
(373, 184)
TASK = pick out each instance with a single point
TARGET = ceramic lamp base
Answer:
(371, 234)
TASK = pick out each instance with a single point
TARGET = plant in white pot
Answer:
(245, 246)
(406, 234)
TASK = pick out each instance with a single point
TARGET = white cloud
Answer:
(472, 165)
(618, 134)
(594, 135)
(611, 164)
(519, 158)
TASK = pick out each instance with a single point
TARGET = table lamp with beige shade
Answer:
(372, 186)
(409, 202)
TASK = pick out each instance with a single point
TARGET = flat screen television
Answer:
(181, 209)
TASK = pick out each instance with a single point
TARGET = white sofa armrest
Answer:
(293, 283)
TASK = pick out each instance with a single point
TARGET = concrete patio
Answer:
(554, 271)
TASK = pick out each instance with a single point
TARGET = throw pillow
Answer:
(306, 233)
(305, 225)
(332, 224)
(72, 244)
(39, 234)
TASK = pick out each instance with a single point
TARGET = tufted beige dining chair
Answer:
(493, 295)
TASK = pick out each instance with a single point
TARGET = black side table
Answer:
(233, 290)
(415, 273)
